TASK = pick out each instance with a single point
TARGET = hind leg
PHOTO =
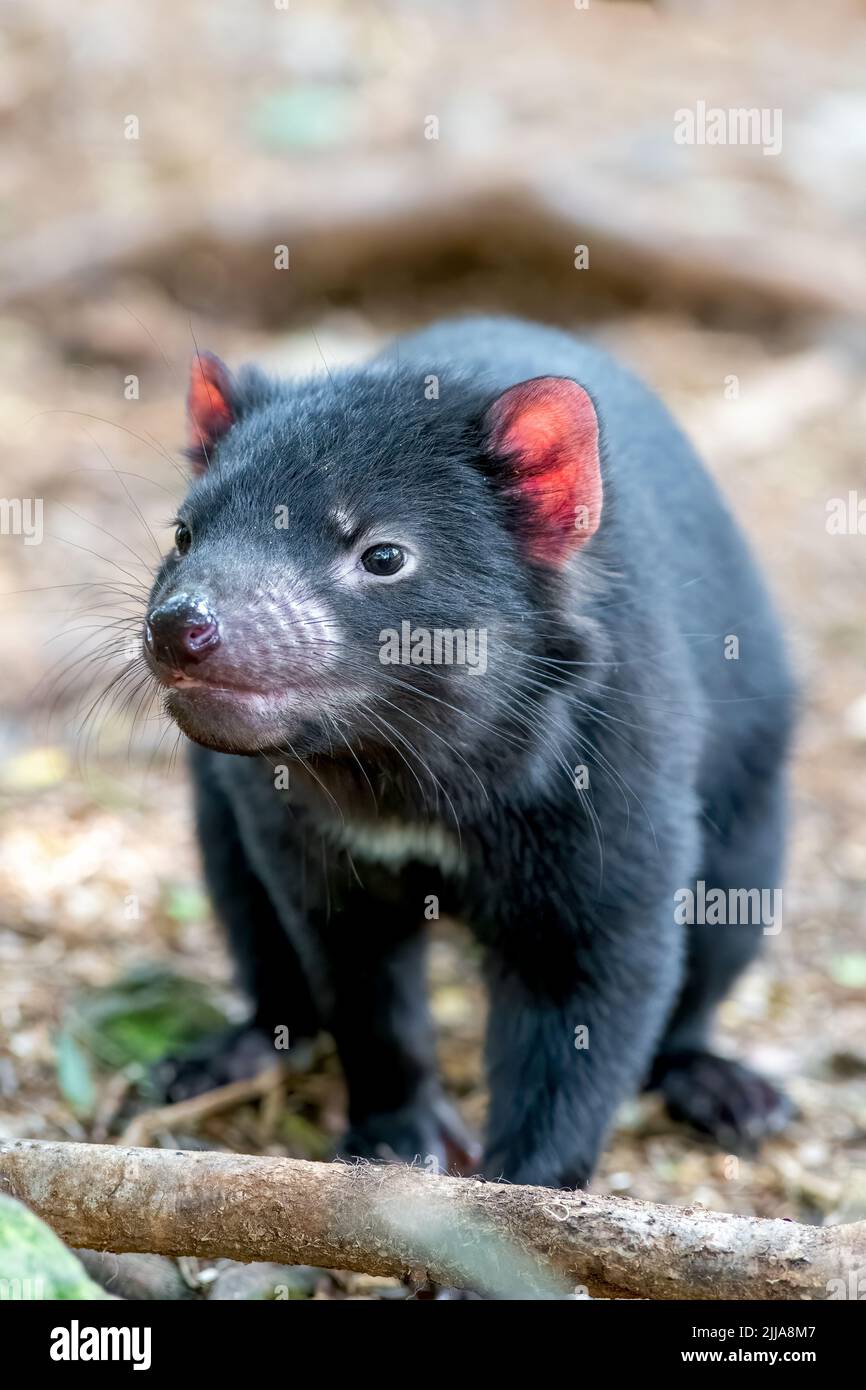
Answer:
(714, 1094)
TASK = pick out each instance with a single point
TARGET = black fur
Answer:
(616, 663)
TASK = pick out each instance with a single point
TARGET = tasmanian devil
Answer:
(469, 629)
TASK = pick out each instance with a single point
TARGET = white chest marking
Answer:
(394, 844)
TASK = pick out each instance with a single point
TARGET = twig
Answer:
(143, 1127)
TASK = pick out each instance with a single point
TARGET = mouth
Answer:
(232, 718)
(179, 681)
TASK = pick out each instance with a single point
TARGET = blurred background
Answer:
(399, 161)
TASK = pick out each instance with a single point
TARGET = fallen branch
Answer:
(518, 1242)
(362, 212)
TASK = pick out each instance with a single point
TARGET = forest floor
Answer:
(99, 873)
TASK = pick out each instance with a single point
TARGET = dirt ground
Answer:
(98, 870)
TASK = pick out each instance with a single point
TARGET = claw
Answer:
(720, 1097)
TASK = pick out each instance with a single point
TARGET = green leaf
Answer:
(132, 1024)
(303, 1137)
(309, 116)
(74, 1075)
(849, 970)
(34, 1263)
(185, 902)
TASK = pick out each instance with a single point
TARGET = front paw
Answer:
(428, 1132)
(539, 1169)
(721, 1098)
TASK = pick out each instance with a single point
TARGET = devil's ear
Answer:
(210, 407)
(542, 439)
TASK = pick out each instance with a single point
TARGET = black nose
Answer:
(181, 631)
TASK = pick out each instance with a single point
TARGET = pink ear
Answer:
(209, 405)
(547, 431)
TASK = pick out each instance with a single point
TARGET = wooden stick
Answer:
(519, 1242)
(142, 1128)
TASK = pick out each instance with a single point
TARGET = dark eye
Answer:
(383, 559)
(182, 538)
